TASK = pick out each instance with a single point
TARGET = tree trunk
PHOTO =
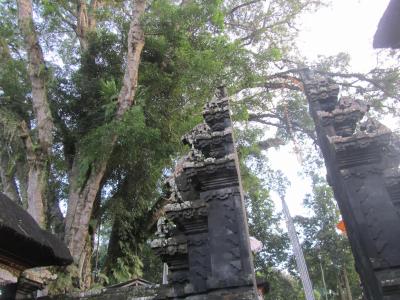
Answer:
(113, 249)
(135, 45)
(86, 21)
(81, 198)
(37, 178)
(37, 155)
(340, 288)
(7, 180)
(82, 25)
(85, 265)
(118, 235)
(80, 204)
(347, 285)
(37, 74)
(79, 214)
(37, 189)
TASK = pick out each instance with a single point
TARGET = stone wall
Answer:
(124, 293)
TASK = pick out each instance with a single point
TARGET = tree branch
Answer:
(260, 118)
(269, 143)
(135, 47)
(242, 6)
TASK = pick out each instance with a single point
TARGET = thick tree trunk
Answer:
(37, 188)
(81, 198)
(148, 221)
(37, 155)
(37, 178)
(85, 265)
(80, 205)
(77, 220)
(114, 249)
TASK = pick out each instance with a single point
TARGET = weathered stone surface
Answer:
(362, 161)
(210, 219)
(128, 293)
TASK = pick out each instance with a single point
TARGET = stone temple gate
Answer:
(207, 248)
(362, 162)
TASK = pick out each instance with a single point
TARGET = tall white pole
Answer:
(298, 253)
(165, 274)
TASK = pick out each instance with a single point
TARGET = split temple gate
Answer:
(362, 162)
(207, 247)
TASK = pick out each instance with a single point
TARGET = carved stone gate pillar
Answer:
(362, 162)
(209, 215)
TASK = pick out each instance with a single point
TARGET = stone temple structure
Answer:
(362, 161)
(204, 237)
(387, 34)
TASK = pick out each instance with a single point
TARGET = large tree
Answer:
(94, 96)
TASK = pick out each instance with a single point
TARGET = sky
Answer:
(345, 26)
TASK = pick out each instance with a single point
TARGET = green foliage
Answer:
(130, 131)
(66, 280)
(152, 264)
(276, 54)
(14, 83)
(283, 286)
(127, 268)
(49, 7)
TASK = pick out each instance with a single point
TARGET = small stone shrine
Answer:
(204, 238)
(362, 161)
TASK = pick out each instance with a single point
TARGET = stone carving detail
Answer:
(207, 249)
(362, 161)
